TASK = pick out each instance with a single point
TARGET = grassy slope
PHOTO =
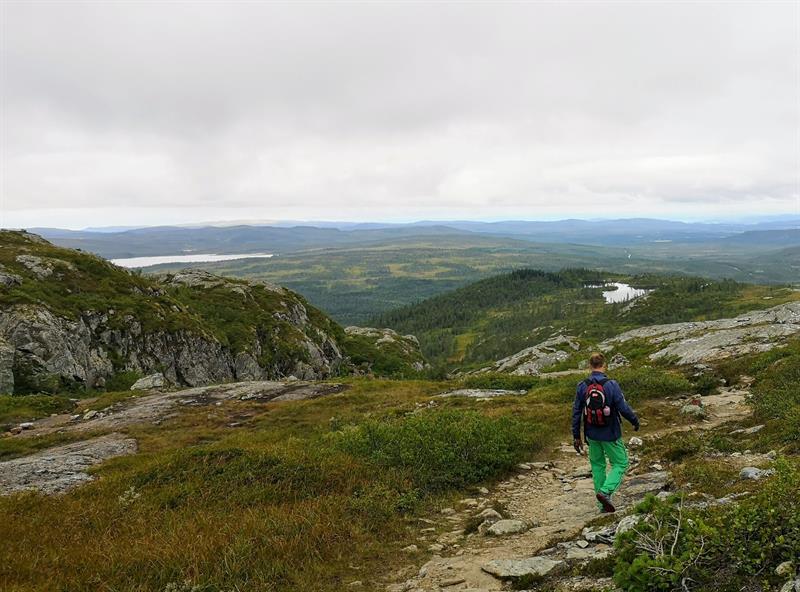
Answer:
(307, 495)
(316, 494)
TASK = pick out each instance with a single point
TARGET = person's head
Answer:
(597, 361)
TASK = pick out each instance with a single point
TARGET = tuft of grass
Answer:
(18, 408)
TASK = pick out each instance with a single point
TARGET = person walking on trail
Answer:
(598, 404)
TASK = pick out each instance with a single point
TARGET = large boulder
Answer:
(149, 382)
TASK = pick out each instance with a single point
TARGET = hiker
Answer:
(599, 401)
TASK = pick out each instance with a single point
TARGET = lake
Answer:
(622, 293)
(194, 258)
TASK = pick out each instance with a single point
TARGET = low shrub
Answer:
(493, 380)
(122, 381)
(439, 450)
(647, 382)
(723, 549)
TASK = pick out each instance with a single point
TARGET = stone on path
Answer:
(504, 527)
(517, 568)
(579, 554)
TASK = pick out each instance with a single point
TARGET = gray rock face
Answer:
(532, 360)
(617, 361)
(6, 367)
(149, 382)
(53, 348)
(8, 279)
(705, 341)
(517, 568)
(62, 468)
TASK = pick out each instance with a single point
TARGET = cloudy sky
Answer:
(122, 113)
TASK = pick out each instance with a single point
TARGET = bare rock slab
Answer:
(517, 568)
(481, 393)
(59, 469)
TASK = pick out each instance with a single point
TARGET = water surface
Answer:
(194, 258)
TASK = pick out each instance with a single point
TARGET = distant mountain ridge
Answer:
(279, 238)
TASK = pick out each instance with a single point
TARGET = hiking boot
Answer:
(605, 501)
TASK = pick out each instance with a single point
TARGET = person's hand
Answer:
(578, 445)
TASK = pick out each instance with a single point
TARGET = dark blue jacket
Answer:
(612, 431)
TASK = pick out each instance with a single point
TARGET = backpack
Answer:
(595, 410)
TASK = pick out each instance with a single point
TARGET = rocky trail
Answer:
(548, 507)
(61, 468)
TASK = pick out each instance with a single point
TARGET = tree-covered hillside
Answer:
(498, 316)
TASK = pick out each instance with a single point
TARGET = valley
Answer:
(426, 451)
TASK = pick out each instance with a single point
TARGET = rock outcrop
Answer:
(704, 341)
(398, 354)
(68, 318)
(532, 360)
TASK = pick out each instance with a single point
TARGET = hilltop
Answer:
(506, 313)
(72, 320)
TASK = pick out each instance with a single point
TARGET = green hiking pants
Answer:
(616, 455)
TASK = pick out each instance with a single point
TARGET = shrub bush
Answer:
(646, 382)
(440, 450)
(509, 382)
(725, 548)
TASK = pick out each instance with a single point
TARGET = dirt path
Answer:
(556, 499)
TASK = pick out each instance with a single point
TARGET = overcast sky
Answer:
(121, 113)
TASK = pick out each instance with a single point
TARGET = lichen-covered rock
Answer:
(59, 469)
(532, 360)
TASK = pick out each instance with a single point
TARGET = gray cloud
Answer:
(399, 110)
